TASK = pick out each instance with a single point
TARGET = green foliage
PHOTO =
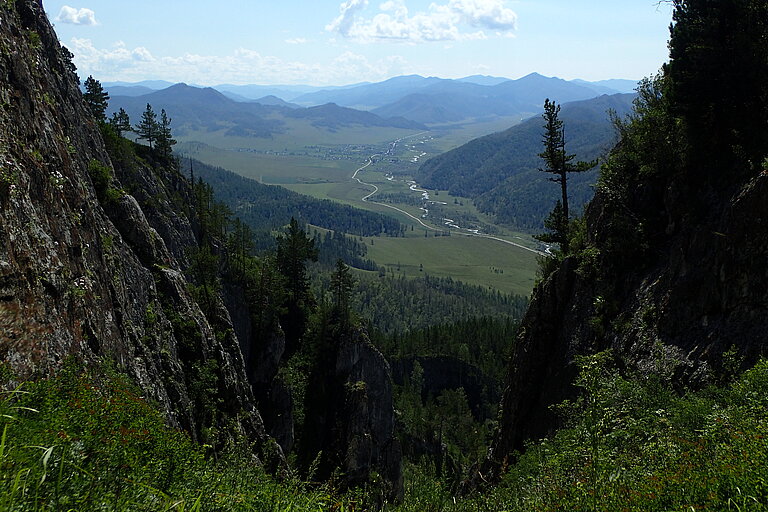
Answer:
(267, 208)
(101, 177)
(86, 440)
(120, 122)
(335, 245)
(445, 414)
(499, 171)
(164, 137)
(294, 249)
(560, 164)
(725, 121)
(634, 445)
(342, 284)
(399, 305)
(34, 39)
(483, 342)
(96, 99)
(148, 128)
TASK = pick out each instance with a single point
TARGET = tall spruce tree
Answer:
(164, 138)
(96, 98)
(342, 284)
(558, 163)
(120, 122)
(148, 128)
(294, 249)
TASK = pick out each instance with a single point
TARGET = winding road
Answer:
(392, 146)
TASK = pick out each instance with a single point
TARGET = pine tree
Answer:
(294, 248)
(96, 98)
(342, 284)
(559, 163)
(121, 122)
(164, 138)
(148, 128)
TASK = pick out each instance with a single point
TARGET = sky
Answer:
(333, 42)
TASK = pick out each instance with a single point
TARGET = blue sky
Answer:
(333, 42)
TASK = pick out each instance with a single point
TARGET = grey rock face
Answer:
(86, 282)
(368, 416)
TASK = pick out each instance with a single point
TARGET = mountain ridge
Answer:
(194, 108)
(500, 171)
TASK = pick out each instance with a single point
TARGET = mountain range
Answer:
(206, 109)
(426, 100)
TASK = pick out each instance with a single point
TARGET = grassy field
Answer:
(270, 168)
(450, 136)
(324, 170)
(471, 260)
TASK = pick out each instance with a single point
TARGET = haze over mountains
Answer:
(207, 109)
(425, 100)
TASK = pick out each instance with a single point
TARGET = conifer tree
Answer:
(96, 98)
(342, 283)
(121, 122)
(294, 248)
(558, 163)
(148, 128)
(164, 138)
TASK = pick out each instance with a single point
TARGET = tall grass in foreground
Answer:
(635, 445)
(85, 442)
(88, 441)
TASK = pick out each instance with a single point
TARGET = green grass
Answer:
(324, 171)
(272, 169)
(449, 136)
(86, 440)
(471, 260)
(298, 135)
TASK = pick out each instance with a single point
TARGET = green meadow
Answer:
(299, 162)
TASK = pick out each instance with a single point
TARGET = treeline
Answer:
(396, 304)
(265, 208)
(483, 342)
(448, 380)
(333, 246)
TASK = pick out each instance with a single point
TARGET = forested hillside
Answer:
(662, 286)
(500, 171)
(265, 208)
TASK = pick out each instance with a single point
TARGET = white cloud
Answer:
(442, 22)
(346, 19)
(485, 13)
(82, 16)
(243, 66)
(90, 57)
(296, 40)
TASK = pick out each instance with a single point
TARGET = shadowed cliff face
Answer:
(350, 423)
(669, 270)
(694, 286)
(78, 278)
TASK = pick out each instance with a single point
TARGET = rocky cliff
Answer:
(96, 275)
(96, 236)
(669, 270)
(349, 431)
